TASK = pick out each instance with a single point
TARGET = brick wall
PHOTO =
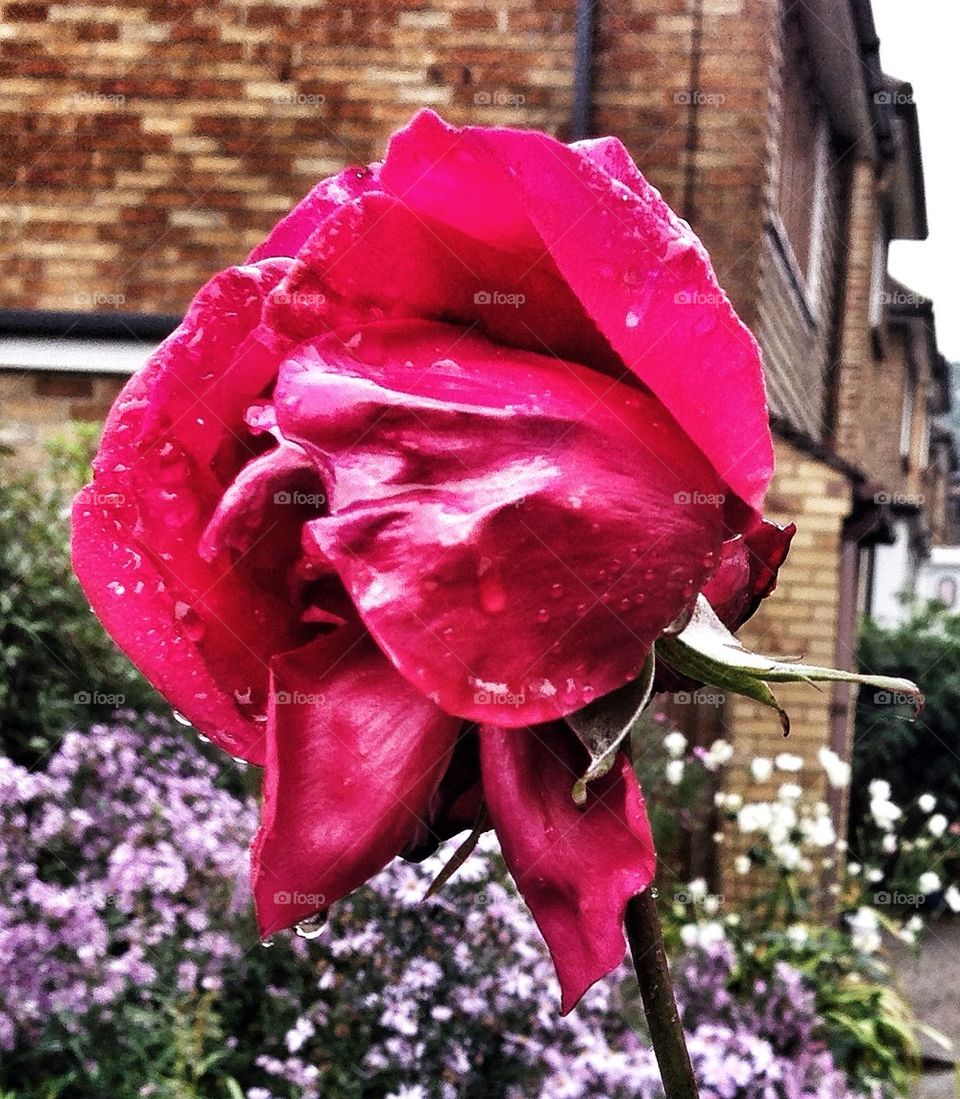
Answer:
(35, 407)
(799, 620)
(145, 146)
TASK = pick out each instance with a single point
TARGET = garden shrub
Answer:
(58, 668)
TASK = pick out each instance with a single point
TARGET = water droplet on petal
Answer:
(180, 719)
(543, 616)
(266, 943)
(556, 590)
(311, 927)
(116, 587)
(588, 692)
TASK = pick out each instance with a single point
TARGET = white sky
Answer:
(920, 42)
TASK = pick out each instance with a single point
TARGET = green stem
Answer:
(653, 974)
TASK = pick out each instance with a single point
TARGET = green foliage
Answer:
(57, 666)
(915, 757)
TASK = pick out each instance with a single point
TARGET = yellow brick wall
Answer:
(798, 620)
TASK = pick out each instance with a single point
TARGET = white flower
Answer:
(819, 831)
(853, 869)
(755, 817)
(798, 934)
(761, 769)
(704, 934)
(874, 876)
(838, 770)
(675, 769)
(786, 761)
(675, 743)
(742, 864)
(889, 844)
(927, 803)
(719, 753)
(790, 791)
(915, 923)
(697, 889)
(727, 801)
(929, 882)
(864, 929)
(298, 1034)
(952, 897)
(879, 790)
(938, 824)
(884, 812)
(711, 905)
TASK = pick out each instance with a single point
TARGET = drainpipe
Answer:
(693, 115)
(580, 121)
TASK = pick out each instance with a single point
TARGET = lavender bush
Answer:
(131, 967)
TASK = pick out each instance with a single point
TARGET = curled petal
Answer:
(576, 867)
(289, 234)
(640, 274)
(515, 532)
(175, 436)
(747, 571)
(354, 757)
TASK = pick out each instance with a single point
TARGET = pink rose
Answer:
(434, 469)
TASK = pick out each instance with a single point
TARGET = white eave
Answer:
(73, 355)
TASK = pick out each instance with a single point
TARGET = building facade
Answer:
(146, 146)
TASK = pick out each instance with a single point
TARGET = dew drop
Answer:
(311, 927)
(543, 616)
(556, 590)
(266, 943)
(116, 587)
(640, 598)
(632, 319)
(625, 604)
(649, 574)
(180, 719)
(588, 692)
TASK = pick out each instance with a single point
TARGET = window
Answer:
(804, 164)
(878, 279)
(906, 418)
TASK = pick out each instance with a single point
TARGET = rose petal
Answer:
(173, 439)
(375, 258)
(289, 234)
(515, 531)
(639, 272)
(576, 868)
(747, 572)
(353, 759)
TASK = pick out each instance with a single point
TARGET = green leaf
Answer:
(605, 724)
(707, 651)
